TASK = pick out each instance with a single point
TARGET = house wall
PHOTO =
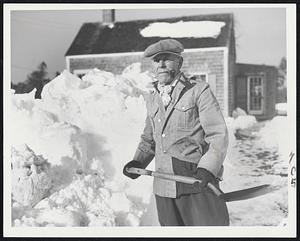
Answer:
(269, 74)
(241, 94)
(206, 61)
(212, 64)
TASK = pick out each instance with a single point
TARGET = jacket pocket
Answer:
(186, 114)
(186, 149)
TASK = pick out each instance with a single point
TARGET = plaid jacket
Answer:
(189, 133)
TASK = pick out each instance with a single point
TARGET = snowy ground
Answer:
(69, 149)
(253, 162)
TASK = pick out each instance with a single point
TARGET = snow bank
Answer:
(91, 125)
(252, 162)
(196, 29)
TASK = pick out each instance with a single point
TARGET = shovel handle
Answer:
(177, 178)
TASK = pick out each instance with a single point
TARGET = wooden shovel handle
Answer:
(177, 178)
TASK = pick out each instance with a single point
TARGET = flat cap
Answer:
(164, 46)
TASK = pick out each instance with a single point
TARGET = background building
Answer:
(210, 56)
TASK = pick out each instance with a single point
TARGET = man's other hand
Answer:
(205, 176)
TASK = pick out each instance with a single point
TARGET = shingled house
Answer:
(112, 46)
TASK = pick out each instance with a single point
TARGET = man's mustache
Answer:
(171, 72)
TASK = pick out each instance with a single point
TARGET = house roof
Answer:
(242, 68)
(97, 38)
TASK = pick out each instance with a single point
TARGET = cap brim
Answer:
(164, 52)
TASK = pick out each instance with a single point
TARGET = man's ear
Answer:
(180, 62)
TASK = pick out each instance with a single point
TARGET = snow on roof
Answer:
(199, 31)
(196, 29)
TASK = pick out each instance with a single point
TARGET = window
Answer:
(255, 94)
(200, 76)
(210, 79)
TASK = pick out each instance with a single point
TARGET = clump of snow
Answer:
(281, 108)
(31, 180)
(238, 112)
(181, 29)
(240, 120)
(86, 198)
(244, 122)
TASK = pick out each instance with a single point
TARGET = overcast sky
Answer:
(44, 35)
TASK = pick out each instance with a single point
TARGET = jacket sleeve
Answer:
(146, 148)
(216, 133)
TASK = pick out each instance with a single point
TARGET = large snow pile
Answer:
(69, 149)
(81, 127)
(190, 29)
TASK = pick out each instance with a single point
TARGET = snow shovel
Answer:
(228, 197)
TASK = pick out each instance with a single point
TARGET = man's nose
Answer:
(161, 63)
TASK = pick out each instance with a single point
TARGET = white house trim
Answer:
(225, 100)
(68, 63)
(204, 49)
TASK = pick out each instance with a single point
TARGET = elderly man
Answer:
(186, 133)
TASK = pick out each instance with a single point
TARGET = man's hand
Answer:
(205, 176)
(132, 163)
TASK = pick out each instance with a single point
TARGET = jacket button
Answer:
(164, 151)
(159, 120)
(163, 135)
(183, 107)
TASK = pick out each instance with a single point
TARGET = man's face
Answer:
(166, 67)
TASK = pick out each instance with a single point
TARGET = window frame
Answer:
(261, 110)
(199, 74)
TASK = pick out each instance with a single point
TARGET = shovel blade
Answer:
(249, 193)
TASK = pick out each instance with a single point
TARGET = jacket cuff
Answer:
(143, 157)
